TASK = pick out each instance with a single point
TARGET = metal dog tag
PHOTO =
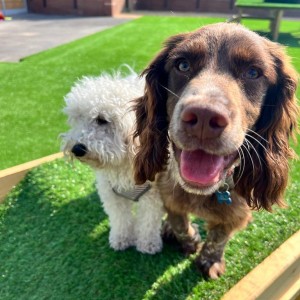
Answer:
(224, 196)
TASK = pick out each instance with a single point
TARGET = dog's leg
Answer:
(210, 261)
(119, 211)
(148, 223)
(184, 232)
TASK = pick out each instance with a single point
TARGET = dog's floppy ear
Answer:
(151, 117)
(276, 124)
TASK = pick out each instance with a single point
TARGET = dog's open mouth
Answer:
(202, 169)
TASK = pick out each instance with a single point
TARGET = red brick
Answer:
(84, 7)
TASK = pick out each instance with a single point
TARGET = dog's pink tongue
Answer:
(200, 167)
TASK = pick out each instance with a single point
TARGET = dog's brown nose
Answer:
(203, 123)
(79, 150)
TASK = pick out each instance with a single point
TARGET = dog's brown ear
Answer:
(276, 124)
(151, 117)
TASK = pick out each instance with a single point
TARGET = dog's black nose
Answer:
(79, 150)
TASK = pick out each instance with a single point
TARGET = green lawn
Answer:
(54, 245)
(32, 91)
(53, 231)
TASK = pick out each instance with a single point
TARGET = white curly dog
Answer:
(101, 135)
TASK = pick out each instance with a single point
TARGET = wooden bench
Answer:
(275, 12)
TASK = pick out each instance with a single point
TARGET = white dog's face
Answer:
(101, 120)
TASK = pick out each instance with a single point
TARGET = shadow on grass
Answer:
(51, 249)
(285, 38)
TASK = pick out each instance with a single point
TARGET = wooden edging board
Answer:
(277, 277)
(12, 176)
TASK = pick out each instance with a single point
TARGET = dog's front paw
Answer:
(189, 243)
(210, 268)
(168, 234)
(120, 242)
(191, 247)
(149, 246)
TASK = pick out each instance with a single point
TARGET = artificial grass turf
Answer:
(53, 233)
(32, 91)
(54, 245)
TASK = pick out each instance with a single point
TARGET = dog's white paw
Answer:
(149, 246)
(121, 242)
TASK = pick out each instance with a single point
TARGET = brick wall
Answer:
(220, 6)
(157, 5)
(114, 7)
(184, 6)
(77, 7)
(205, 6)
(13, 4)
(93, 8)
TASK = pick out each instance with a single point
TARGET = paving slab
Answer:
(28, 34)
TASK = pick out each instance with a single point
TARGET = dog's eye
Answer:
(183, 65)
(100, 121)
(252, 73)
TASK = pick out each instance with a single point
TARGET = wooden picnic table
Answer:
(275, 10)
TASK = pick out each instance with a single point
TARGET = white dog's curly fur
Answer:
(101, 135)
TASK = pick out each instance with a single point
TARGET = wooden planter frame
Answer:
(12, 176)
(277, 277)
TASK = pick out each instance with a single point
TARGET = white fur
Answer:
(110, 153)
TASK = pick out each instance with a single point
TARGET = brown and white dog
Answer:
(215, 121)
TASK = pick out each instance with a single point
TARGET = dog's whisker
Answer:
(252, 146)
(170, 91)
(261, 137)
(242, 168)
(251, 160)
(255, 151)
(250, 136)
